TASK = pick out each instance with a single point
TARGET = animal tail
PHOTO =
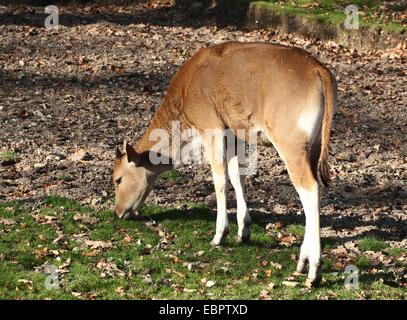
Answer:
(330, 96)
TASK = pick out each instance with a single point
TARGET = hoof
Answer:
(302, 266)
(314, 274)
(309, 283)
(214, 243)
(244, 237)
(219, 239)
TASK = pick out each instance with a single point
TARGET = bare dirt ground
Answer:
(69, 95)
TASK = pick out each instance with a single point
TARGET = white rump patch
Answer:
(309, 121)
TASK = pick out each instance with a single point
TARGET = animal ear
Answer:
(132, 155)
(118, 152)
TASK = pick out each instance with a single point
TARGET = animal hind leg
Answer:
(302, 165)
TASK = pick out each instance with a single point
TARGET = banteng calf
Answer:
(281, 91)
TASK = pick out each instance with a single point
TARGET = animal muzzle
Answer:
(124, 214)
(127, 215)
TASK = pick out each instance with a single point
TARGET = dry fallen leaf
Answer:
(264, 295)
(85, 218)
(291, 284)
(119, 291)
(91, 253)
(98, 244)
(127, 238)
(41, 252)
(7, 221)
(80, 155)
(276, 265)
(286, 238)
(210, 283)
(25, 281)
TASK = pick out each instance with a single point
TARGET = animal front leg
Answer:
(219, 179)
(243, 217)
(215, 152)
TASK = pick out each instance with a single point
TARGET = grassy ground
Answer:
(99, 257)
(332, 11)
(7, 156)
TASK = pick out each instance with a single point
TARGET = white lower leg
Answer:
(219, 180)
(311, 247)
(243, 217)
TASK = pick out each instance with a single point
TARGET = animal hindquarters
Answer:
(298, 142)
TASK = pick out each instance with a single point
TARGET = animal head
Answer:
(133, 178)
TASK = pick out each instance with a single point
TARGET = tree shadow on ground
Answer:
(69, 16)
(387, 227)
(32, 81)
(362, 280)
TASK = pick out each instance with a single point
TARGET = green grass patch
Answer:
(296, 229)
(63, 176)
(372, 244)
(329, 243)
(363, 263)
(173, 176)
(61, 202)
(7, 156)
(396, 252)
(106, 258)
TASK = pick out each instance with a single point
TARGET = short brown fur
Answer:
(282, 91)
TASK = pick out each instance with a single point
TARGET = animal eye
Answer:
(118, 181)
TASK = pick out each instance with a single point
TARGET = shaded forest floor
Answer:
(70, 94)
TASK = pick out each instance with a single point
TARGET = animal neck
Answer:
(159, 135)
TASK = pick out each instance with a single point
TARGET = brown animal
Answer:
(281, 91)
